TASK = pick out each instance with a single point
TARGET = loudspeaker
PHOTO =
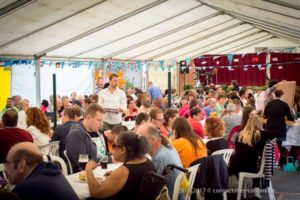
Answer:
(183, 67)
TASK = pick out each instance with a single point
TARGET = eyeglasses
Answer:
(6, 163)
(116, 146)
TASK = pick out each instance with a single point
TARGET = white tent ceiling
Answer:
(142, 29)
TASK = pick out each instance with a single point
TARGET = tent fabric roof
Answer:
(142, 29)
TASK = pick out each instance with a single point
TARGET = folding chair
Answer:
(50, 149)
(259, 174)
(235, 130)
(70, 167)
(151, 186)
(226, 154)
(57, 160)
(185, 175)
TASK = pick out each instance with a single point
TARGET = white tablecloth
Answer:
(292, 136)
(81, 188)
(129, 124)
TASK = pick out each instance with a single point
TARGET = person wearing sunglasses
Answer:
(122, 183)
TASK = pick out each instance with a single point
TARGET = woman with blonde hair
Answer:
(38, 126)
(248, 149)
(214, 129)
(188, 144)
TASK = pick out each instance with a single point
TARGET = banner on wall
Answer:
(276, 49)
(5, 77)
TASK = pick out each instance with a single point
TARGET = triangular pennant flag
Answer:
(259, 66)
(147, 66)
(105, 65)
(138, 64)
(230, 57)
(174, 64)
(188, 60)
(131, 67)
(90, 64)
(161, 62)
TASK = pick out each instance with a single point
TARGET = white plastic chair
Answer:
(50, 148)
(59, 160)
(193, 172)
(2, 169)
(226, 154)
(177, 183)
(69, 163)
(259, 174)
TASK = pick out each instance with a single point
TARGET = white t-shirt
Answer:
(39, 138)
(114, 100)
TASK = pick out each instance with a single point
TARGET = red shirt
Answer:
(197, 127)
(9, 137)
(183, 110)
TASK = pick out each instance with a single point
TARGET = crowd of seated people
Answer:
(166, 135)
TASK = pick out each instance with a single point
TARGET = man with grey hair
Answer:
(34, 179)
(162, 153)
(231, 118)
(212, 102)
(24, 105)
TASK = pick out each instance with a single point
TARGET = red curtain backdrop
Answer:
(284, 57)
(238, 59)
(285, 66)
(244, 75)
(244, 68)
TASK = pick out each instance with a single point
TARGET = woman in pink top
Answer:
(184, 106)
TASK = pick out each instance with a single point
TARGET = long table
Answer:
(81, 187)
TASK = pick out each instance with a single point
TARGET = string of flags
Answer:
(143, 65)
(106, 65)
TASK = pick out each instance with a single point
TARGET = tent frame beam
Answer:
(131, 34)
(282, 3)
(17, 5)
(161, 35)
(248, 17)
(159, 47)
(102, 26)
(229, 42)
(248, 43)
(197, 40)
(51, 24)
(236, 34)
(266, 10)
(253, 20)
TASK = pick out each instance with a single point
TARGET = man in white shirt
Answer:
(114, 101)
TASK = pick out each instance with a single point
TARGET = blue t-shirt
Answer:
(154, 92)
(163, 157)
